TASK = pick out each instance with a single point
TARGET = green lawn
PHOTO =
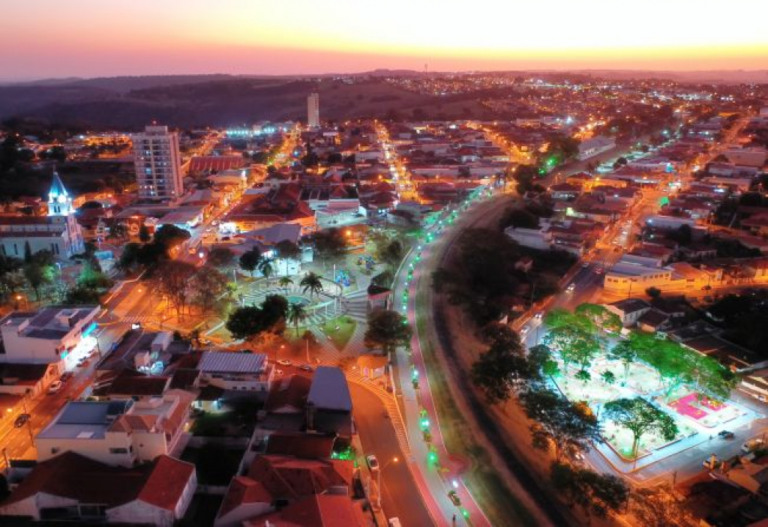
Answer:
(340, 330)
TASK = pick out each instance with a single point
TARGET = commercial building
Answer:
(58, 232)
(58, 335)
(313, 110)
(158, 164)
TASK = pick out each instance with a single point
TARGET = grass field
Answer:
(340, 330)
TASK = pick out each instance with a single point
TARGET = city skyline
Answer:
(91, 39)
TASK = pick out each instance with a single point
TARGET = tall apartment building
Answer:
(158, 164)
(313, 110)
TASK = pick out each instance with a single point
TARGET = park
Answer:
(652, 396)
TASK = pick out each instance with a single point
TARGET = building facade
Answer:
(158, 164)
(313, 110)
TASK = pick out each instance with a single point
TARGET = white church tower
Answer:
(59, 200)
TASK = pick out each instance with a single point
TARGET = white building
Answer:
(313, 110)
(57, 232)
(158, 164)
(236, 371)
(53, 335)
(595, 146)
(118, 433)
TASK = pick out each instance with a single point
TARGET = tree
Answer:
(39, 271)
(296, 313)
(640, 417)
(387, 330)
(329, 243)
(266, 268)
(129, 258)
(600, 316)
(284, 282)
(144, 235)
(250, 259)
(221, 257)
(209, 288)
(608, 377)
(626, 353)
(497, 371)
(288, 250)
(567, 426)
(392, 253)
(274, 310)
(312, 283)
(173, 281)
(11, 278)
(583, 376)
(519, 218)
(658, 507)
(170, 236)
(574, 335)
(598, 494)
(245, 322)
(653, 292)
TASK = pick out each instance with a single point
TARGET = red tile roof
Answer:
(306, 446)
(244, 490)
(288, 477)
(327, 510)
(166, 482)
(215, 163)
(290, 392)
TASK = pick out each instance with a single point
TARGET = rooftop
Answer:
(230, 362)
(329, 390)
(49, 323)
(84, 420)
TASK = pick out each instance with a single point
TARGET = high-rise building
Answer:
(158, 164)
(313, 110)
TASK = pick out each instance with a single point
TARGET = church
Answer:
(57, 232)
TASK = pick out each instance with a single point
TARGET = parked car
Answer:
(373, 463)
(55, 387)
(571, 288)
(454, 497)
(66, 376)
(21, 420)
(284, 362)
(539, 315)
(726, 434)
(394, 522)
(752, 445)
(306, 367)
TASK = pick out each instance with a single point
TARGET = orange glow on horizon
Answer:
(91, 37)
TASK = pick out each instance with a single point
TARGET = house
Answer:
(316, 511)
(653, 320)
(564, 191)
(30, 379)
(73, 487)
(278, 479)
(52, 335)
(120, 432)
(329, 404)
(147, 352)
(58, 232)
(236, 371)
(629, 310)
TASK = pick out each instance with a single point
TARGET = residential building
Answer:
(629, 310)
(158, 164)
(74, 488)
(59, 335)
(120, 432)
(595, 146)
(329, 404)
(58, 232)
(313, 110)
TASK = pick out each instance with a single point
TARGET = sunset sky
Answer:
(87, 38)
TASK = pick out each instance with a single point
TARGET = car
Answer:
(21, 420)
(539, 315)
(600, 270)
(752, 445)
(284, 362)
(726, 434)
(571, 288)
(454, 497)
(82, 362)
(136, 325)
(306, 367)
(55, 387)
(394, 522)
(585, 264)
(373, 463)
(524, 331)
(66, 376)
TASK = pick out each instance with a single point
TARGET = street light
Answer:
(378, 480)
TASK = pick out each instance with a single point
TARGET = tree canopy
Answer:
(387, 330)
(640, 417)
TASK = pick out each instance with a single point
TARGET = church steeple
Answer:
(59, 200)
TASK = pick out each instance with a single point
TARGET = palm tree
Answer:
(296, 313)
(311, 282)
(284, 282)
(266, 268)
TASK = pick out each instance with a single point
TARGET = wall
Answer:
(96, 449)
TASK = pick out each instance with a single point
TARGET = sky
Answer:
(91, 38)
